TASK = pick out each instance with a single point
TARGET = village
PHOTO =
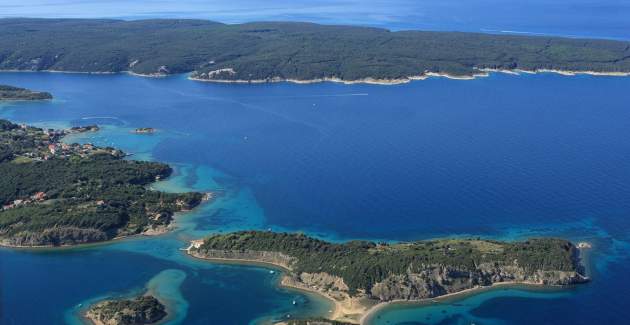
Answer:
(44, 145)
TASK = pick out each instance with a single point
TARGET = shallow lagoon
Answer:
(502, 157)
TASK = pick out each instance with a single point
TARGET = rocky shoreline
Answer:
(426, 283)
(482, 73)
(140, 310)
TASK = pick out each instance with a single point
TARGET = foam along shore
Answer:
(370, 81)
(435, 276)
(482, 73)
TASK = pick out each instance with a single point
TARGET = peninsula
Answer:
(53, 193)
(16, 93)
(359, 275)
(137, 311)
(290, 51)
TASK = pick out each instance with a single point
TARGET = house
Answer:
(39, 196)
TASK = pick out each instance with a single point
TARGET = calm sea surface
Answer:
(499, 157)
(582, 18)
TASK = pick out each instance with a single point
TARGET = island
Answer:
(54, 193)
(144, 131)
(140, 310)
(358, 275)
(10, 93)
(291, 51)
(314, 321)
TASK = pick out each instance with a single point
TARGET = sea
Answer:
(503, 157)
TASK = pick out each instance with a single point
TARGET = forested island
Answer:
(53, 193)
(16, 93)
(301, 52)
(137, 311)
(357, 275)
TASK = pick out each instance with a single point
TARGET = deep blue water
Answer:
(501, 157)
(583, 18)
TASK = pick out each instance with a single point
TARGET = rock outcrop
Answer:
(441, 280)
(274, 258)
(58, 236)
(141, 310)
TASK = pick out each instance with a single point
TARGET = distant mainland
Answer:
(291, 51)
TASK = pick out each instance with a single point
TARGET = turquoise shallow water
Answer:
(501, 157)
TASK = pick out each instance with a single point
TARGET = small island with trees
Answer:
(140, 310)
(144, 131)
(54, 193)
(358, 275)
(10, 93)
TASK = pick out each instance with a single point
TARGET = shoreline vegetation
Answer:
(55, 194)
(427, 275)
(481, 73)
(145, 309)
(10, 93)
(292, 51)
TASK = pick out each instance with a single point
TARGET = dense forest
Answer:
(140, 310)
(54, 194)
(361, 264)
(16, 93)
(285, 50)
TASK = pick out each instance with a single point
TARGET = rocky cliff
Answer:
(439, 280)
(274, 258)
(57, 236)
(404, 271)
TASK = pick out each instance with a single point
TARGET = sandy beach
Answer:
(360, 309)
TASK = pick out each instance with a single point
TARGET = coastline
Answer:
(277, 267)
(148, 233)
(355, 309)
(151, 232)
(482, 73)
(366, 317)
(136, 74)
(367, 80)
(208, 197)
(152, 289)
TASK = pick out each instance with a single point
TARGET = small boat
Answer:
(294, 302)
(272, 272)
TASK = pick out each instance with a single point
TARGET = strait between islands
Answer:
(56, 194)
